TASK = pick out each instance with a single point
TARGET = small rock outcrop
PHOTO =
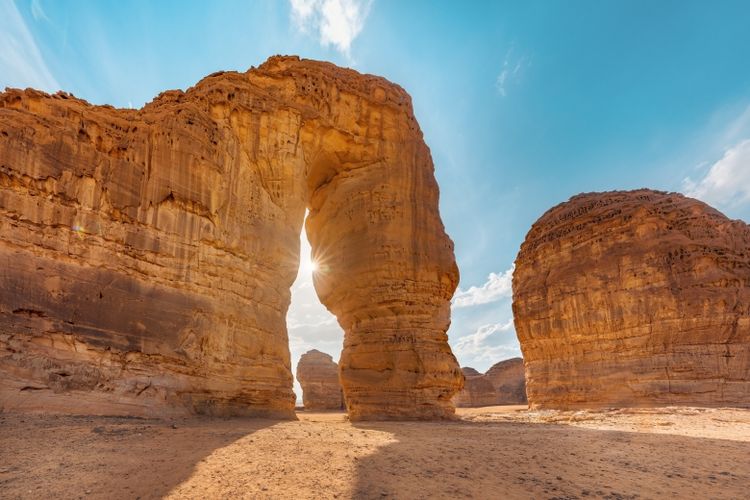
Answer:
(502, 384)
(634, 298)
(509, 380)
(318, 375)
(469, 371)
(147, 254)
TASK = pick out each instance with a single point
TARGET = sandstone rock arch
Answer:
(149, 253)
(634, 298)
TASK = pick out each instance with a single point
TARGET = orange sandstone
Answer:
(635, 298)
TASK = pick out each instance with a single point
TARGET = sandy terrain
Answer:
(497, 452)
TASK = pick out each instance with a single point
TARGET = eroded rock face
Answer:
(635, 298)
(509, 381)
(318, 375)
(148, 254)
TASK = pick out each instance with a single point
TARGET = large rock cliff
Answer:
(318, 375)
(148, 254)
(635, 298)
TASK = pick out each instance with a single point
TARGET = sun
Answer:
(308, 265)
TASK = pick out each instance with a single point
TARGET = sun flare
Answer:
(307, 264)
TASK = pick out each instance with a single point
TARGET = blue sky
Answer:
(523, 104)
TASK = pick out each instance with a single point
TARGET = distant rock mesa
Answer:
(503, 384)
(318, 375)
(148, 254)
(636, 298)
(508, 378)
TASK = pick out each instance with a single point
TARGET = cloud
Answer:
(727, 182)
(497, 287)
(510, 72)
(21, 62)
(335, 22)
(37, 11)
(487, 345)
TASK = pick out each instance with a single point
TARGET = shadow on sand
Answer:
(108, 457)
(526, 460)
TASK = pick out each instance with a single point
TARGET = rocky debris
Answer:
(502, 384)
(148, 254)
(509, 380)
(318, 375)
(634, 298)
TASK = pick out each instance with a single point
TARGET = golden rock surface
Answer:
(636, 298)
(147, 255)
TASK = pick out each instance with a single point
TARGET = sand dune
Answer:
(497, 452)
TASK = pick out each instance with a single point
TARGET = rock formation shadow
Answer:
(125, 457)
(526, 460)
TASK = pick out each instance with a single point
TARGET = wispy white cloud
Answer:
(727, 182)
(487, 345)
(510, 71)
(334, 22)
(497, 287)
(38, 11)
(21, 62)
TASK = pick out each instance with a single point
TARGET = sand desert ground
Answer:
(492, 452)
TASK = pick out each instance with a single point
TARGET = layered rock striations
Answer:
(508, 378)
(635, 298)
(502, 384)
(148, 254)
(318, 375)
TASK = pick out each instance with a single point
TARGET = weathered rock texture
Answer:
(509, 381)
(635, 298)
(502, 384)
(148, 254)
(318, 375)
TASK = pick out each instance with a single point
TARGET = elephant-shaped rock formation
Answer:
(148, 254)
(637, 298)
